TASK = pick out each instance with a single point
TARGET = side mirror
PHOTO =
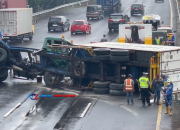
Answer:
(174, 31)
(67, 19)
(162, 22)
(89, 24)
(143, 6)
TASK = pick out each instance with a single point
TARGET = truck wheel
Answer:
(119, 52)
(3, 75)
(114, 86)
(101, 57)
(119, 58)
(98, 84)
(117, 93)
(77, 70)
(3, 55)
(101, 51)
(30, 38)
(51, 79)
(101, 90)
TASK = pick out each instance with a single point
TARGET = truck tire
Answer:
(101, 90)
(98, 84)
(77, 69)
(117, 93)
(3, 75)
(3, 55)
(114, 86)
(30, 38)
(101, 51)
(51, 79)
(119, 52)
(101, 57)
(119, 58)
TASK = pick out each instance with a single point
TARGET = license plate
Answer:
(54, 25)
(5, 37)
(136, 9)
(78, 30)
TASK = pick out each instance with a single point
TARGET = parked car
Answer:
(94, 11)
(58, 23)
(137, 9)
(80, 26)
(116, 19)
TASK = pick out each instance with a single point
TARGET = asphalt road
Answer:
(106, 112)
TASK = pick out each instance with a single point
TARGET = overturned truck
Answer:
(101, 64)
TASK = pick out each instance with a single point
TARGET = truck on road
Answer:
(16, 24)
(13, 4)
(105, 65)
(110, 6)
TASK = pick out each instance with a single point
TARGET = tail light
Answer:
(132, 8)
(110, 20)
(141, 8)
(96, 13)
(121, 20)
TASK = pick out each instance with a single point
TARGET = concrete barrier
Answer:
(53, 11)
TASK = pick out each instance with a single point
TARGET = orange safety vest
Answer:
(129, 86)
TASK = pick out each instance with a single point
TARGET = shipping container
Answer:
(110, 5)
(13, 4)
(16, 23)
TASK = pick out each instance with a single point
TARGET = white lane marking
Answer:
(85, 110)
(94, 38)
(134, 113)
(7, 114)
(66, 15)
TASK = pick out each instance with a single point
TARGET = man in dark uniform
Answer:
(104, 39)
(144, 88)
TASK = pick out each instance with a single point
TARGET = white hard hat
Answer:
(168, 81)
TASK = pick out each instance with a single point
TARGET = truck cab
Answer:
(170, 33)
(154, 20)
(162, 35)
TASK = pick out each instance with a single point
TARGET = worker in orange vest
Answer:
(129, 88)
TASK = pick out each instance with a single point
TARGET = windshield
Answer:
(55, 20)
(78, 23)
(136, 6)
(166, 30)
(116, 17)
(91, 9)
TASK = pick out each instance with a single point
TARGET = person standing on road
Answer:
(157, 40)
(157, 84)
(144, 88)
(104, 39)
(129, 88)
(168, 97)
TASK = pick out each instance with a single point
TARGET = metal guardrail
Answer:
(41, 14)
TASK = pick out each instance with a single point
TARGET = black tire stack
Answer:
(119, 55)
(116, 89)
(101, 87)
(101, 54)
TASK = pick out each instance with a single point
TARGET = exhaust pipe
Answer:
(17, 68)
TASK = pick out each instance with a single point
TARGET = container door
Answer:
(8, 23)
(170, 65)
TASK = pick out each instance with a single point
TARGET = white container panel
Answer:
(15, 21)
(170, 56)
(168, 66)
(24, 21)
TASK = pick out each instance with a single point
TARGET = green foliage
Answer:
(39, 5)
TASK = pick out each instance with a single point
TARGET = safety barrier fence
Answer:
(53, 11)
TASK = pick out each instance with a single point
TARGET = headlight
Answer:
(124, 67)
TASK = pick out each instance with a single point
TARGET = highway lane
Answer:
(98, 29)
